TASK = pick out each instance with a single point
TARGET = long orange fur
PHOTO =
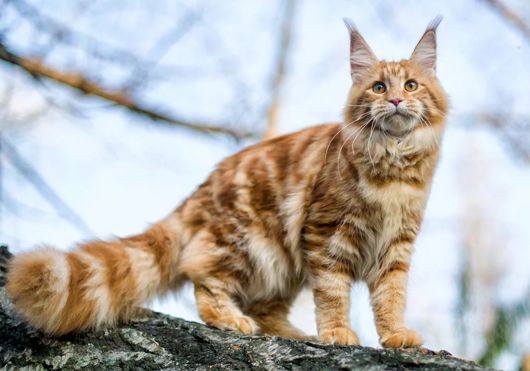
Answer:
(324, 207)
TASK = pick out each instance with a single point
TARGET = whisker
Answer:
(360, 105)
(354, 139)
(368, 144)
(424, 121)
(333, 138)
(339, 154)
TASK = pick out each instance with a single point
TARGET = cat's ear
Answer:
(424, 55)
(361, 56)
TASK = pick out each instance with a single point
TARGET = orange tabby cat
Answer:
(325, 206)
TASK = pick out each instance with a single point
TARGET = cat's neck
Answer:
(377, 154)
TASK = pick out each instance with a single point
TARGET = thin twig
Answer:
(38, 182)
(513, 130)
(511, 16)
(86, 86)
(280, 66)
(142, 72)
(60, 33)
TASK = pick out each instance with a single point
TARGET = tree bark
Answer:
(163, 342)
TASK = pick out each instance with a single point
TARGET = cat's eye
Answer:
(379, 87)
(411, 85)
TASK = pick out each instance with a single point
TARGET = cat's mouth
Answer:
(398, 123)
(400, 111)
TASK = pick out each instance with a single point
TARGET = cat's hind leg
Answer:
(272, 318)
(216, 308)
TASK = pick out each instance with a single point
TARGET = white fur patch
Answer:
(273, 273)
(293, 209)
(173, 225)
(340, 247)
(379, 146)
(392, 198)
(96, 288)
(243, 197)
(146, 273)
(392, 195)
(61, 270)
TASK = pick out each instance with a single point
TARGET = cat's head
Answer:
(395, 98)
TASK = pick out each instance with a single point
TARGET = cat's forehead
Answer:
(392, 69)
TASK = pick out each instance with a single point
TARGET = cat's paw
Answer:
(339, 336)
(139, 313)
(243, 324)
(404, 338)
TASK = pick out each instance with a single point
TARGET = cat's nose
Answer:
(395, 101)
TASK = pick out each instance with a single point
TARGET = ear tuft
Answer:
(350, 25)
(433, 25)
(361, 56)
(424, 54)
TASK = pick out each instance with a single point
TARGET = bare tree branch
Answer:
(142, 71)
(63, 34)
(77, 81)
(33, 176)
(279, 72)
(511, 16)
(514, 131)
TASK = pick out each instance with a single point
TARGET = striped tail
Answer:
(99, 283)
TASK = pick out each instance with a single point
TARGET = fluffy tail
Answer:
(98, 283)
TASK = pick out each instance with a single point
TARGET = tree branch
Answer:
(63, 209)
(60, 33)
(279, 72)
(516, 134)
(77, 81)
(511, 16)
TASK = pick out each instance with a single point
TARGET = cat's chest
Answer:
(391, 196)
(394, 207)
(390, 211)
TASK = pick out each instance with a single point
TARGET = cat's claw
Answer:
(404, 338)
(339, 336)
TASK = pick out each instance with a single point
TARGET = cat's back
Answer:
(285, 152)
(282, 161)
(264, 186)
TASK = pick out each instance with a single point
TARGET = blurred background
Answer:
(112, 112)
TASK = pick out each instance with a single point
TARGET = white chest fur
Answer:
(396, 202)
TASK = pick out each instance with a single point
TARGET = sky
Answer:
(120, 172)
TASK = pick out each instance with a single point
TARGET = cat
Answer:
(324, 207)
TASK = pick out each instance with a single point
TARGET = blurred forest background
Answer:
(111, 112)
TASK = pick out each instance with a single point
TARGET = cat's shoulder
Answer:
(313, 132)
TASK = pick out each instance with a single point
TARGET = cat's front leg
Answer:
(388, 296)
(331, 291)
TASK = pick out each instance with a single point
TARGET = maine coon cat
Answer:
(323, 207)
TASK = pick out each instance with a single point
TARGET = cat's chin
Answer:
(398, 125)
